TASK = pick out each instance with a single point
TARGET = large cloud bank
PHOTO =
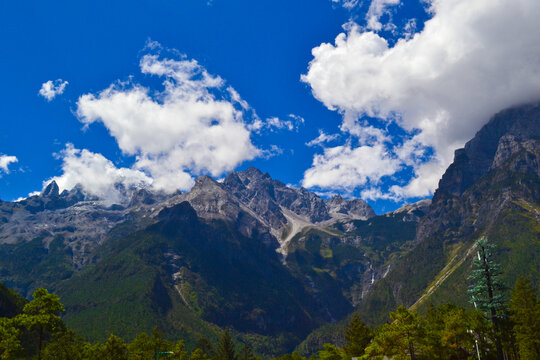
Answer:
(194, 125)
(472, 59)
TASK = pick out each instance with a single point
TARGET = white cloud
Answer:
(5, 161)
(274, 123)
(195, 125)
(345, 167)
(50, 89)
(323, 138)
(376, 10)
(99, 176)
(472, 59)
(347, 4)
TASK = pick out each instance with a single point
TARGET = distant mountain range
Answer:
(270, 261)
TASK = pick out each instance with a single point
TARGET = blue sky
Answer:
(176, 62)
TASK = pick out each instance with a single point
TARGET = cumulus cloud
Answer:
(472, 59)
(5, 161)
(195, 124)
(50, 89)
(345, 167)
(189, 127)
(99, 176)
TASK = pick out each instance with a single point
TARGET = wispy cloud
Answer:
(322, 139)
(376, 10)
(347, 4)
(5, 161)
(50, 89)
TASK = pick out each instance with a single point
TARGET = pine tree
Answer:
(525, 314)
(357, 336)
(487, 290)
(225, 348)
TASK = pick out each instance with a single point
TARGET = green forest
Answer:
(444, 332)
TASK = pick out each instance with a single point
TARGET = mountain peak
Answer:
(51, 190)
(205, 180)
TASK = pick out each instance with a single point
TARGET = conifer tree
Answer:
(487, 290)
(225, 348)
(525, 314)
(357, 336)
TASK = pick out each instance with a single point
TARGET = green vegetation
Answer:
(487, 290)
(525, 315)
(39, 332)
(445, 332)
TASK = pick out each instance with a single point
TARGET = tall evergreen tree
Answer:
(487, 290)
(357, 336)
(225, 348)
(525, 314)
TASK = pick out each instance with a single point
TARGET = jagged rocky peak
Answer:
(507, 132)
(52, 189)
(142, 197)
(209, 199)
(268, 197)
(353, 208)
(412, 212)
(507, 146)
(422, 205)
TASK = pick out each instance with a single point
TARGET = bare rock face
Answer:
(503, 135)
(508, 143)
(353, 208)
(51, 190)
(256, 191)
